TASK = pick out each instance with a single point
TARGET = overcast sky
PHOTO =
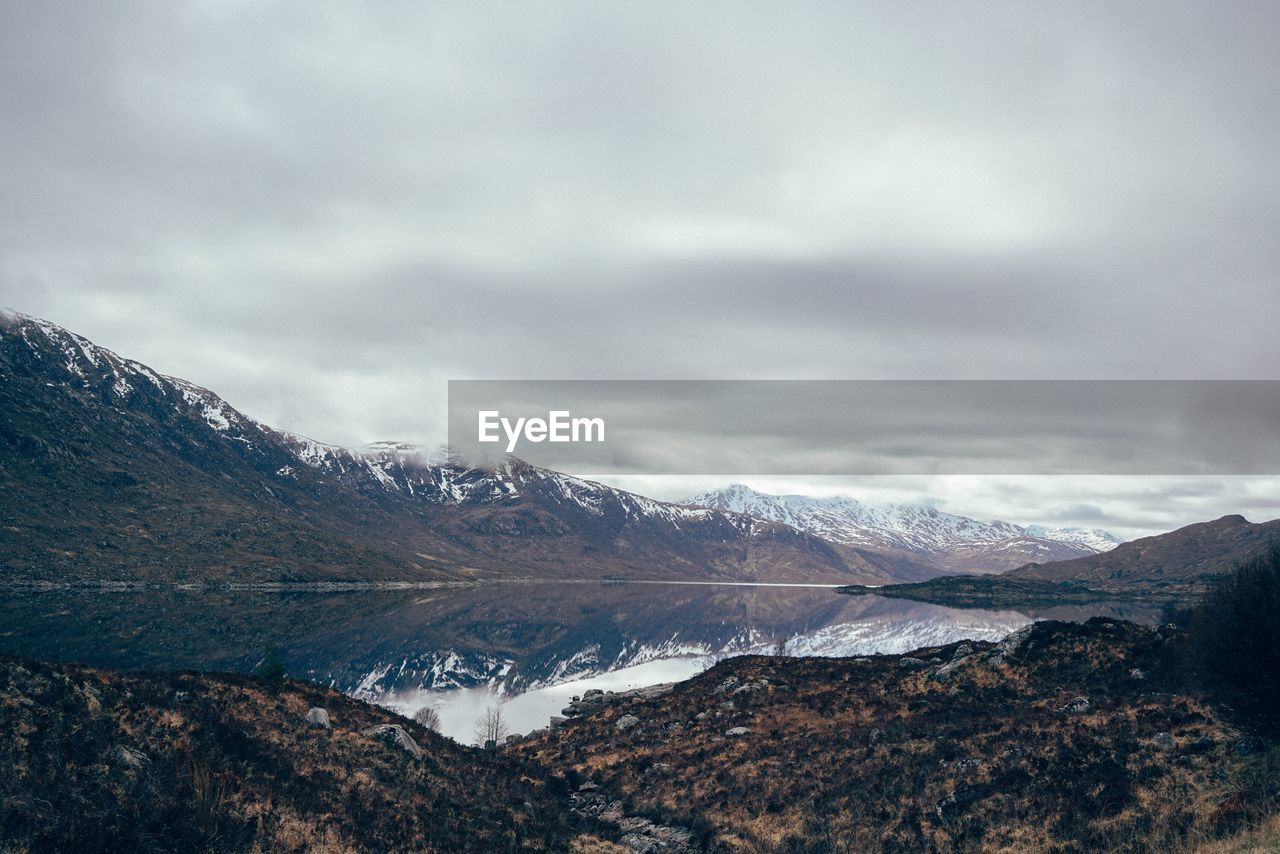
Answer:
(323, 211)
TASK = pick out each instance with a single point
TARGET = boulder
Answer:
(737, 730)
(1078, 706)
(1164, 741)
(727, 684)
(1016, 642)
(131, 758)
(908, 663)
(394, 735)
(318, 718)
(950, 669)
(626, 722)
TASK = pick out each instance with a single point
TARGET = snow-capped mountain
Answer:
(166, 481)
(951, 542)
(1095, 540)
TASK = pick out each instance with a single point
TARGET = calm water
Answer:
(528, 646)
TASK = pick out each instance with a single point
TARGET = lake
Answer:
(529, 647)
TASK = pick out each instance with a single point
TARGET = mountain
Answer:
(111, 471)
(947, 542)
(1187, 555)
(1094, 540)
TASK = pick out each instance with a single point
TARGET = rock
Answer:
(950, 669)
(556, 722)
(909, 664)
(701, 716)
(1078, 706)
(1015, 642)
(953, 804)
(727, 704)
(875, 735)
(131, 758)
(962, 650)
(1164, 741)
(394, 735)
(592, 692)
(626, 722)
(966, 765)
(861, 660)
(513, 738)
(1137, 673)
(318, 718)
(737, 730)
(727, 684)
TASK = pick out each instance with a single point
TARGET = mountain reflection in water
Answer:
(530, 646)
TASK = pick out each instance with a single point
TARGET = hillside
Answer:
(1187, 556)
(1063, 737)
(943, 541)
(111, 471)
(98, 761)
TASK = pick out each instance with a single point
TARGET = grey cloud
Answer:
(325, 211)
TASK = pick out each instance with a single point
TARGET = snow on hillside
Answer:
(913, 528)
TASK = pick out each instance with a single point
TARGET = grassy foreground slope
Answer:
(99, 761)
(1066, 737)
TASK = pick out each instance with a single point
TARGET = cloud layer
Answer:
(326, 210)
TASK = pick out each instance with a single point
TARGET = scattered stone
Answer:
(318, 718)
(1137, 673)
(701, 716)
(592, 692)
(727, 704)
(953, 804)
(727, 685)
(737, 730)
(131, 758)
(1078, 706)
(962, 650)
(626, 722)
(1202, 744)
(1164, 741)
(966, 765)
(394, 735)
(1015, 642)
(950, 669)
(875, 735)
(908, 663)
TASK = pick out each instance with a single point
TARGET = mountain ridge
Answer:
(950, 542)
(118, 472)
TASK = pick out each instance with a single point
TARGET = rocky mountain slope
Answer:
(113, 471)
(1187, 556)
(945, 541)
(1062, 737)
(99, 761)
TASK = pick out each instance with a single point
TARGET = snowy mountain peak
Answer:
(917, 529)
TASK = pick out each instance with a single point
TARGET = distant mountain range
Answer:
(111, 471)
(945, 541)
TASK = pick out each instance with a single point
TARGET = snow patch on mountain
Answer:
(913, 528)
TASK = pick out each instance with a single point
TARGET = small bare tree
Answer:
(428, 717)
(491, 726)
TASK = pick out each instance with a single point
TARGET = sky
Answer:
(324, 211)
